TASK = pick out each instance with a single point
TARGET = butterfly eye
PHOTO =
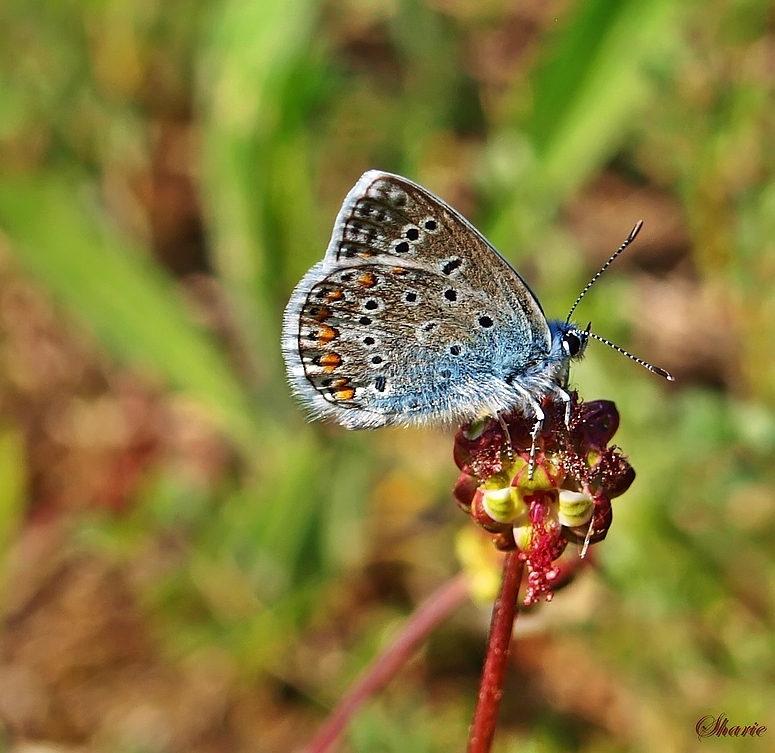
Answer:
(571, 344)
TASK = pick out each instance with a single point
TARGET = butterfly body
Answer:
(413, 317)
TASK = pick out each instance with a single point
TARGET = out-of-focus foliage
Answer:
(187, 564)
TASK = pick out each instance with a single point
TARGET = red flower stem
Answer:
(436, 608)
(504, 613)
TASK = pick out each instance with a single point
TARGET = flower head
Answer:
(568, 498)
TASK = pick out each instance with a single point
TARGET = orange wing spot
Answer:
(367, 280)
(326, 334)
(348, 393)
(334, 295)
(398, 271)
(329, 361)
(320, 313)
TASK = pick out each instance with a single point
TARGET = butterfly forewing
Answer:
(387, 215)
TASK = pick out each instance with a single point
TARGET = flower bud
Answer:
(465, 488)
(481, 514)
(503, 505)
(602, 517)
(548, 474)
(575, 508)
(595, 423)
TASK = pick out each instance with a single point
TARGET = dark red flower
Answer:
(568, 498)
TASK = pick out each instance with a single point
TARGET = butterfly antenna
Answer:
(630, 238)
(653, 369)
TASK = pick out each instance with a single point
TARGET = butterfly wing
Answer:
(411, 316)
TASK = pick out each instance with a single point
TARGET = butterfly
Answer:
(413, 317)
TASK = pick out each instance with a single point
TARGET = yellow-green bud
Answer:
(546, 476)
(503, 505)
(575, 508)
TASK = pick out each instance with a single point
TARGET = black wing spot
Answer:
(402, 247)
(450, 294)
(380, 383)
(455, 350)
(485, 321)
(412, 233)
(410, 297)
(430, 224)
(450, 266)
(371, 304)
(369, 341)
(376, 360)
(365, 321)
(445, 374)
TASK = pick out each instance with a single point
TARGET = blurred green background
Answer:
(187, 564)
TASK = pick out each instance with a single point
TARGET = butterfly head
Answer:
(568, 341)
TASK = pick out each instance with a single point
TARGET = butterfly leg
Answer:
(537, 426)
(539, 414)
(506, 435)
(567, 399)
